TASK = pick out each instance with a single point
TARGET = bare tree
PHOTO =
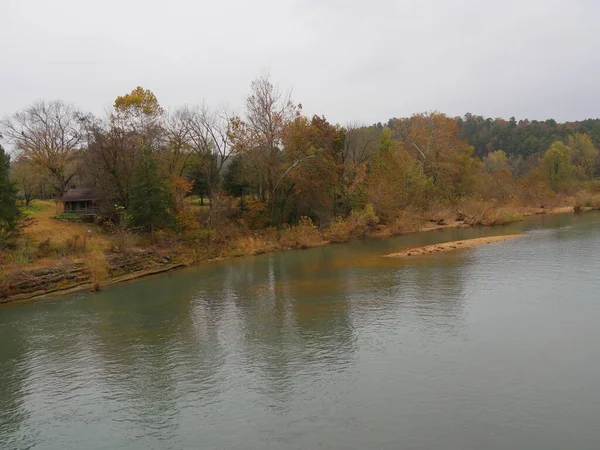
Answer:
(206, 134)
(362, 142)
(260, 136)
(49, 136)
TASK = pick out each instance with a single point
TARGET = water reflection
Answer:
(221, 349)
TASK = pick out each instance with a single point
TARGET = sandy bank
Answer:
(449, 246)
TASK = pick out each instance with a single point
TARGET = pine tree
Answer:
(151, 200)
(9, 211)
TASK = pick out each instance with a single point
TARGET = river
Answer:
(495, 347)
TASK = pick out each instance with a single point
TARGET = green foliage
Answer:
(524, 137)
(73, 217)
(151, 201)
(558, 167)
(584, 154)
(9, 211)
(234, 179)
(496, 162)
(365, 219)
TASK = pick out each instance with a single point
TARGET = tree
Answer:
(558, 167)
(495, 162)
(434, 140)
(151, 202)
(28, 180)
(259, 138)
(9, 211)
(49, 136)
(361, 143)
(114, 143)
(234, 179)
(111, 158)
(396, 181)
(206, 134)
(309, 187)
(197, 174)
(139, 111)
(585, 154)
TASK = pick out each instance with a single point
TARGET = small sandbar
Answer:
(450, 246)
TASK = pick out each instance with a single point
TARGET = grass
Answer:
(45, 240)
(73, 217)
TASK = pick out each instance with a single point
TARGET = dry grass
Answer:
(303, 235)
(98, 268)
(482, 213)
(587, 199)
(45, 240)
(407, 222)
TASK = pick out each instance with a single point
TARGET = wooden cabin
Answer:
(84, 202)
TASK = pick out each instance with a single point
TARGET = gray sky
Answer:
(362, 61)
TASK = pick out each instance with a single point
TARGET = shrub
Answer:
(406, 222)
(340, 230)
(477, 212)
(255, 214)
(73, 217)
(303, 235)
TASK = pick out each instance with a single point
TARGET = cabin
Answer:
(84, 202)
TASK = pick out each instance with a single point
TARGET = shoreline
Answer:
(380, 233)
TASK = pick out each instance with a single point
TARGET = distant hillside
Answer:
(523, 137)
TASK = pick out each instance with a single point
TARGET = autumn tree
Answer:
(496, 162)
(497, 182)
(258, 138)
(396, 181)
(558, 167)
(434, 139)
(140, 112)
(50, 136)
(115, 142)
(309, 187)
(584, 154)
(28, 179)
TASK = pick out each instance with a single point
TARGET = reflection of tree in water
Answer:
(292, 320)
(159, 350)
(151, 348)
(430, 288)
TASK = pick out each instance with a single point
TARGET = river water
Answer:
(495, 347)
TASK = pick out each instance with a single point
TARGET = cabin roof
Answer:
(79, 195)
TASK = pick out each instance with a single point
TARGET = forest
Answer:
(204, 182)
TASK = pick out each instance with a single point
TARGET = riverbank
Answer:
(89, 273)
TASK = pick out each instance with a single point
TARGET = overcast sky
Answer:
(353, 61)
